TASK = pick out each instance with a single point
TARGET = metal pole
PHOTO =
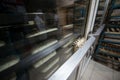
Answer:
(94, 14)
(105, 11)
(90, 16)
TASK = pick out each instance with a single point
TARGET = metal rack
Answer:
(30, 45)
(36, 51)
(109, 43)
(101, 13)
(80, 15)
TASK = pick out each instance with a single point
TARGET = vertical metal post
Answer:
(91, 14)
(94, 14)
(105, 11)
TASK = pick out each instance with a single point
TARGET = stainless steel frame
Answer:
(91, 16)
(78, 60)
(74, 67)
(105, 11)
(94, 14)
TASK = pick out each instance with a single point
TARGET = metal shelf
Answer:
(110, 41)
(113, 26)
(27, 62)
(116, 7)
(41, 32)
(115, 17)
(111, 34)
(109, 54)
(102, 58)
(109, 48)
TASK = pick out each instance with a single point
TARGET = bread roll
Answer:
(10, 61)
(41, 62)
(50, 65)
(40, 48)
(67, 44)
(2, 43)
(68, 26)
(68, 35)
(46, 77)
(68, 50)
(42, 32)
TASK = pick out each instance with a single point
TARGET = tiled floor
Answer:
(97, 71)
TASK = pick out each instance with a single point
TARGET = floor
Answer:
(97, 71)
